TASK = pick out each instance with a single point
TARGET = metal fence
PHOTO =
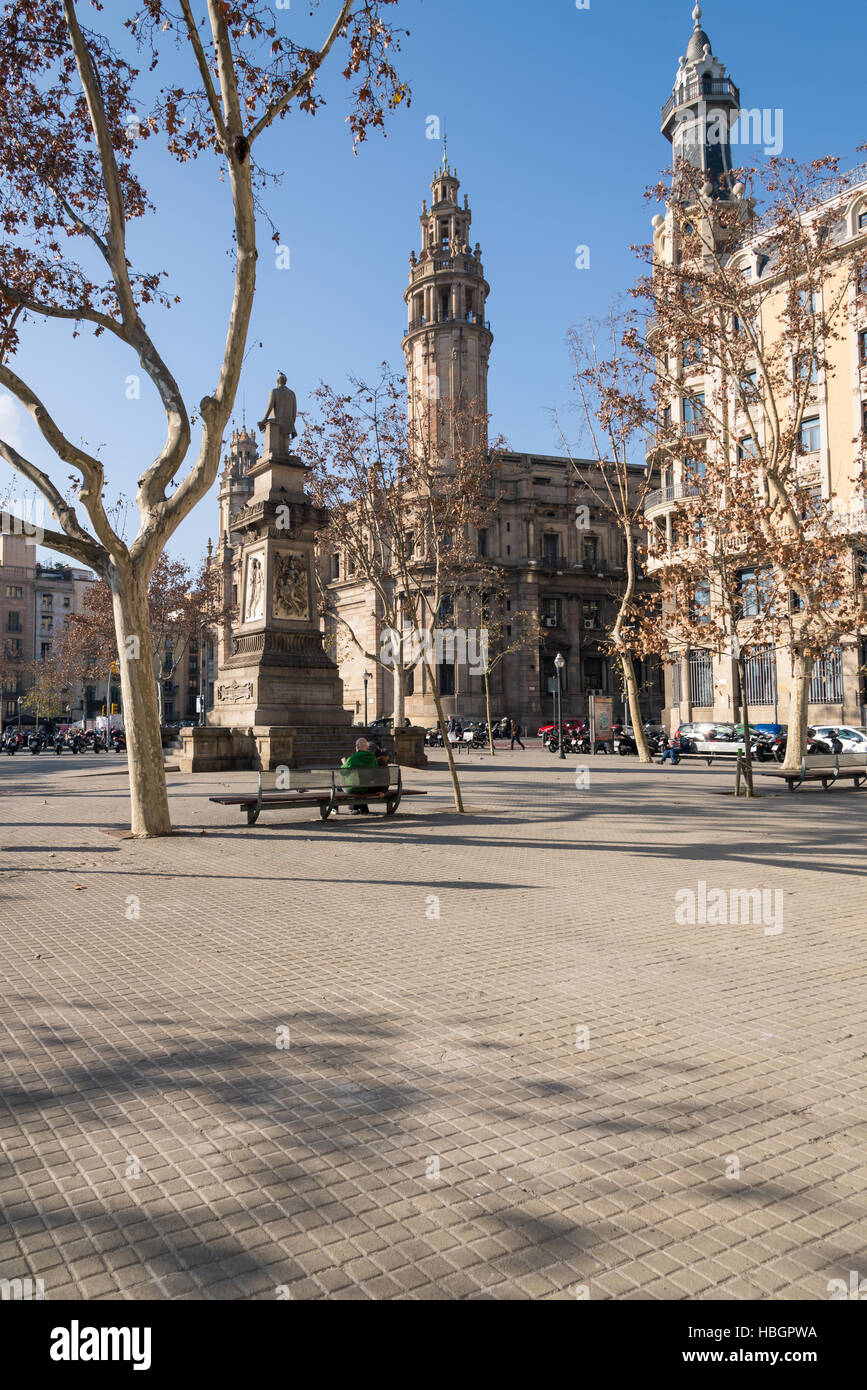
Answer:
(826, 686)
(700, 679)
(760, 670)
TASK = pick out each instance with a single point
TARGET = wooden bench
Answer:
(286, 789)
(826, 768)
(717, 748)
(328, 789)
(365, 784)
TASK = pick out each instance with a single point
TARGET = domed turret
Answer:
(699, 115)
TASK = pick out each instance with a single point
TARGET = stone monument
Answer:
(278, 696)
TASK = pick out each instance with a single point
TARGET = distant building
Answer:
(568, 580)
(17, 612)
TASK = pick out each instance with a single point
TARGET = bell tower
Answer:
(448, 339)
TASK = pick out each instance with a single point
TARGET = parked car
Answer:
(688, 735)
(853, 739)
(385, 724)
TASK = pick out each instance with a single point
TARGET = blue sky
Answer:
(552, 115)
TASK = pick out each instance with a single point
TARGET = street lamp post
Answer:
(20, 703)
(367, 677)
(559, 664)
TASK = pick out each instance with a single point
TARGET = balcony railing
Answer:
(442, 262)
(475, 319)
(673, 493)
(700, 87)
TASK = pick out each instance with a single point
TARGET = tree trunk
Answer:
(399, 693)
(745, 710)
(627, 665)
(488, 711)
(149, 802)
(796, 739)
(628, 668)
(456, 786)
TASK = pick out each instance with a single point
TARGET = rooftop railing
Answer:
(698, 88)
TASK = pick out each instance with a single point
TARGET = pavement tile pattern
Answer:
(434, 1057)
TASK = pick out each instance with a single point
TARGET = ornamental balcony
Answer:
(475, 320)
(663, 496)
(698, 88)
(443, 263)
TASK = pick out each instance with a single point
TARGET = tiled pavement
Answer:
(432, 1124)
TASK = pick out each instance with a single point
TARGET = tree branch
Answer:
(280, 105)
(205, 72)
(73, 532)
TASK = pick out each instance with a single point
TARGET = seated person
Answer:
(362, 757)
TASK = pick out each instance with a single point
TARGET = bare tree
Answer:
(745, 316)
(507, 632)
(181, 607)
(404, 516)
(68, 193)
(617, 412)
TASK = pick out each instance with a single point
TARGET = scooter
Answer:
(34, 743)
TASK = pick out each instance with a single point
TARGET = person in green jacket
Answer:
(362, 757)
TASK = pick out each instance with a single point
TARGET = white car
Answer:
(854, 740)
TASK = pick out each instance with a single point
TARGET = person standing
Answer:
(515, 732)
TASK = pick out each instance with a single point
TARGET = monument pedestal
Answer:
(409, 748)
(278, 696)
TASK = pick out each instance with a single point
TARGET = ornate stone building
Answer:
(565, 578)
(699, 118)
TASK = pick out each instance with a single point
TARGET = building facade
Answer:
(564, 581)
(702, 684)
(17, 620)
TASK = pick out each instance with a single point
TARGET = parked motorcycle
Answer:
(625, 743)
(34, 743)
(762, 746)
(815, 744)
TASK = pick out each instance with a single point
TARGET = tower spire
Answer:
(701, 112)
(448, 337)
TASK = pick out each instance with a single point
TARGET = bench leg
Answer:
(253, 813)
(391, 806)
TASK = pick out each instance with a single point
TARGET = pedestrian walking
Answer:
(515, 731)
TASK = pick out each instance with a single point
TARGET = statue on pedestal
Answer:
(280, 415)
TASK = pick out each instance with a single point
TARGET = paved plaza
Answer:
(434, 1057)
